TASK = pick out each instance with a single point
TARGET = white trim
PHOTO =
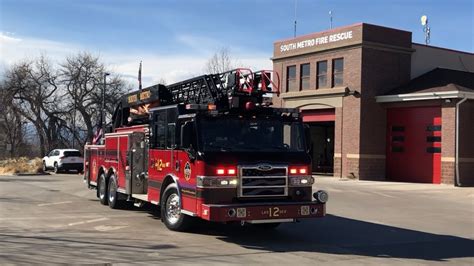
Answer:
(93, 147)
(142, 197)
(461, 160)
(424, 96)
(119, 134)
(365, 156)
(334, 91)
(93, 183)
(188, 213)
(448, 159)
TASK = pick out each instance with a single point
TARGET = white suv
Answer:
(63, 159)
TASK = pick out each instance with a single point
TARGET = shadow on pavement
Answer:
(344, 236)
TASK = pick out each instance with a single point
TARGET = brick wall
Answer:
(447, 172)
(382, 70)
(448, 142)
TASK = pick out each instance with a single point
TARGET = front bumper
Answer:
(262, 211)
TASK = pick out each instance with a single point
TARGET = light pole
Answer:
(103, 107)
(74, 119)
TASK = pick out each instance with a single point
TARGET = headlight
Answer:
(321, 196)
(301, 181)
(214, 181)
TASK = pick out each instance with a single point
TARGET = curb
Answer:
(26, 174)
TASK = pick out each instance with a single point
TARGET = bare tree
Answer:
(83, 78)
(221, 61)
(11, 124)
(62, 104)
(34, 89)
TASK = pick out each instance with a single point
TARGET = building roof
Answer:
(438, 80)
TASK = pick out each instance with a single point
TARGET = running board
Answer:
(142, 197)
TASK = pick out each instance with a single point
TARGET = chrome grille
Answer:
(267, 181)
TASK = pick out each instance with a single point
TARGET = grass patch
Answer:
(22, 165)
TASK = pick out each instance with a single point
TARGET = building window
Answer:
(304, 80)
(322, 74)
(337, 72)
(291, 79)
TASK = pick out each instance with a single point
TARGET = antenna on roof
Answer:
(426, 28)
(294, 33)
(330, 19)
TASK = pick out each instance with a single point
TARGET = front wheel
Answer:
(44, 167)
(171, 213)
(102, 190)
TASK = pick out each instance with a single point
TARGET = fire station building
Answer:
(379, 106)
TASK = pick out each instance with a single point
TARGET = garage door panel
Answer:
(414, 144)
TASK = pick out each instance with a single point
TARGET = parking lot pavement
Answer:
(55, 219)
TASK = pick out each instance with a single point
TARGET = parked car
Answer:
(63, 160)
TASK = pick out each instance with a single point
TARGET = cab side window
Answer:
(160, 130)
(56, 153)
(171, 139)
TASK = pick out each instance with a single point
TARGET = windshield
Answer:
(234, 134)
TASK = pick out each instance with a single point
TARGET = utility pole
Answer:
(330, 19)
(294, 33)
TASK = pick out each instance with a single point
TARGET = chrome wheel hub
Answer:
(112, 194)
(173, 210)
(102, 188)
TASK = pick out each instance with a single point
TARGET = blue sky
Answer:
(175, 38)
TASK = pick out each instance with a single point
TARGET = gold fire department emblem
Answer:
(187, 171)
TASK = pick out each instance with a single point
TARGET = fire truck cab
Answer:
(209, 148)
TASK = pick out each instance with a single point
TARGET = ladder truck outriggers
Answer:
(210, 147)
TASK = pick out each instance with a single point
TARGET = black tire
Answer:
(113, 196)
(56, 168)
(44, 167)
(102, 190)
(267, 226)
(174, 219)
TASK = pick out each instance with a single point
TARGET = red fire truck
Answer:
(210, 147)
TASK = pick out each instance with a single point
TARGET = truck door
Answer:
(136, 178)
(186, 165)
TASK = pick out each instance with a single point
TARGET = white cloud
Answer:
(170, 67)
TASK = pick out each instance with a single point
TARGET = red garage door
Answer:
(319, 115)
(414, 144)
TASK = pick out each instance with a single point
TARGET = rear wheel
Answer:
(171, 213)
(113, 195)
(56, 168)
(102, 190)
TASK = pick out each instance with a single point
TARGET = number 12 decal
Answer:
(273, 212)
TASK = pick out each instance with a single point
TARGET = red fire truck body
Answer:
(225, 156)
